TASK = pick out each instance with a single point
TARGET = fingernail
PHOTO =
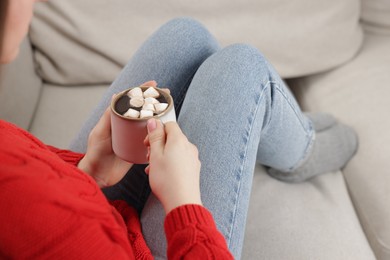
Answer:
(151, 125)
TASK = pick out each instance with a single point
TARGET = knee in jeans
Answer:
(191, 28)
(247, 61)
(247, 54)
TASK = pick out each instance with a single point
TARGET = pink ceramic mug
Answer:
(128, 134)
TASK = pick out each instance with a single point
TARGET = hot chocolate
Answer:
(141, 103)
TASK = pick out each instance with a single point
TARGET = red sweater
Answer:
(51, 209)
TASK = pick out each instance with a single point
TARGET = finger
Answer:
(151, 83)
(156, 135)
(147, 169)
(173, 132)
(103, 127)
(146, 141)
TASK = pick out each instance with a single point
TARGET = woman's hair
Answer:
(3, 13)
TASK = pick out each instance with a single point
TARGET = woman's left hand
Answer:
(100, 161)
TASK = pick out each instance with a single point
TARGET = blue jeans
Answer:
(231, 104)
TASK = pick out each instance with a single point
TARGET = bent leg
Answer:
(234, 101)
(171, 56)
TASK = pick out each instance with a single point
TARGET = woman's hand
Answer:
(174, 167)
(100, 162)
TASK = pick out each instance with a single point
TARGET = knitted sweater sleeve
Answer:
(190, 229)
(134, 231)
(192, 234)
(67, 155)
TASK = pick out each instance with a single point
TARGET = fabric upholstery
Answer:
(309, 220)
(376, 15)
(298, 37)
(62, 111)
(358, 94)
(19, 95)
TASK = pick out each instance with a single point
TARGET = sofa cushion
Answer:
(310, 220)
(88, 42)
(358, 94)
(62, 111)
(376, 15)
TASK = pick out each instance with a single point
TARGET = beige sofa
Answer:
(334, 54)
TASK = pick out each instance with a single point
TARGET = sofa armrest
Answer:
(20, 88)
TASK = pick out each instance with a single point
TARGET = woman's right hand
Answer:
(174, 166)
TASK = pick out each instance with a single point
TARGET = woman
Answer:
(231, 104)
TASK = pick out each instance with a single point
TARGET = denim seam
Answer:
(308, 149)
(306, 154)
(266, 85)
(293, 108)
(239, 174)
(277, 87)
(309, 146)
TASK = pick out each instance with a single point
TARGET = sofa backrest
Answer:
(376, 16)
(89, 41)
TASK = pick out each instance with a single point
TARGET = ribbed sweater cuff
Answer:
(187, 215)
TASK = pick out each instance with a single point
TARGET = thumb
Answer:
(156, 136)
(103, 128)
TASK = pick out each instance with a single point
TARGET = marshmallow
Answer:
(145, 100)
(132, 113)
(160, 107)
(151, 92)
(146, 113)
(136, 102)
(151, 100)
(135, 92)
(147, 106)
